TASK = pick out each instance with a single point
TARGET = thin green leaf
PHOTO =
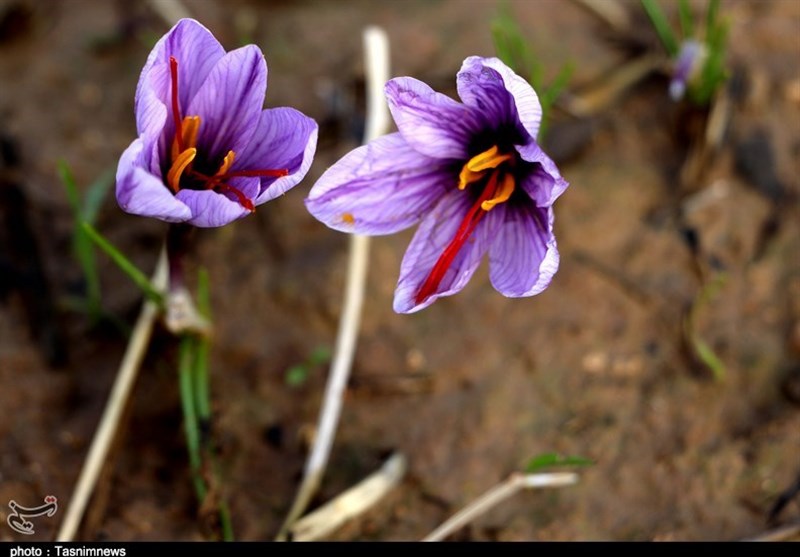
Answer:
(81, 244)
(711, 17)
(536, 74)
(509, 45)
(709, 358)
(661, 25)
(96, 194)
(65, 173)
(124, 264)
(186, 357)
(687, 21)
(202, 348)
(701, 348)
(549, 460)
(549, 95)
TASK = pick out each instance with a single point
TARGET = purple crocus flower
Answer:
(207, 151)
(471, 172)
(687, 64)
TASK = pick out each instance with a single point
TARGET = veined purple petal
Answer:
(142, 193)
(523, 256)
(229, 102)
(197, 52)
(432, 123)
(379, 188)
(210, 209)
(435, 233)
(151, 118)
(544, 182)
(284, 138)
(502, 96)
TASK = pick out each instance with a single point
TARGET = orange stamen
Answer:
(227, 162)
(177, 168)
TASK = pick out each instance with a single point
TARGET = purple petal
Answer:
(432, 123)
(501, 95)
(435, 233)
(229, 102)
(284, 138)
(379, 188)
(141, 193)
(151, 118)
(210, 209)
(523, 256)
(689, 60)
(544, 182)
(197, 52)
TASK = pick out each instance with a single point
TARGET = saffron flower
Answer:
(208, 152)
(471, 172)
(687, 66)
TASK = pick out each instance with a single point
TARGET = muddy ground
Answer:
(468, 390)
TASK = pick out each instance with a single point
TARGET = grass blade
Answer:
(548, 460)
(687, 22)
(661, 25)
(124, 264)
(81, 244)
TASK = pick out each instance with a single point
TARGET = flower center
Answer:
(182, 173)
(488, 169)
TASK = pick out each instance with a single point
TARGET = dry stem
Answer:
(496, 495)
(109, 423)
(376, 46)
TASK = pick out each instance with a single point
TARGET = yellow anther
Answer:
(467, 177)
(189, 126)
(503, 193)
(479, 164)
(490, 158)
(178, 166)
(227, 162)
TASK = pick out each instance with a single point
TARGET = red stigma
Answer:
(176, 111)
(465, 230)
(183, 163)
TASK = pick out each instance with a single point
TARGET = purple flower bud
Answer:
(688, 62)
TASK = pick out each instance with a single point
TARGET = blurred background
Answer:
(666, 350)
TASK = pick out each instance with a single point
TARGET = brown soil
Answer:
(469, 389)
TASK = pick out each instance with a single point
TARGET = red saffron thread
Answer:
(465, 230)
(176, 111)
(216, 183)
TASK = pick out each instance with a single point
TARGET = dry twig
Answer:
(376, 46)
(118, 399)
(351, 503)
(496, 495)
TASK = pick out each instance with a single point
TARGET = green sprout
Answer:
(699, 61)
(298, 374)
(550, 460)
(86, 211)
